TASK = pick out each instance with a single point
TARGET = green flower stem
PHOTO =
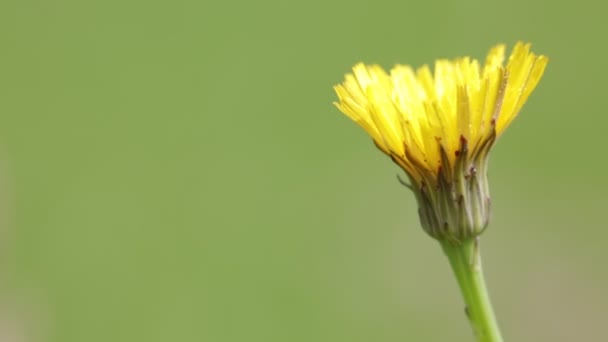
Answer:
(465, 260)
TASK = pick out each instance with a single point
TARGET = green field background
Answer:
(175, 171)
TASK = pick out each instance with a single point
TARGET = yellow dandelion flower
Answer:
(439, 126)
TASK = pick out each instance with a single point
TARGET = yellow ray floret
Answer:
(414, 115)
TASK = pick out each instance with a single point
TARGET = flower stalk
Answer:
(465, 260)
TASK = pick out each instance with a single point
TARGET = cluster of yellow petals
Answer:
(409, 112)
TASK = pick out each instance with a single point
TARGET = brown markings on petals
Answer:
(463, 146)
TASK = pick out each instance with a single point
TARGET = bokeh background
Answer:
(175, 171)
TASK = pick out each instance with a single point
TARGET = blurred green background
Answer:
(175, 171)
